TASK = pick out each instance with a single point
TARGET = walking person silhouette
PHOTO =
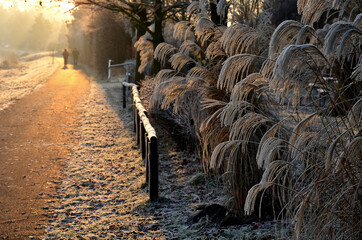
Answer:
(65, 56)
(75, 54)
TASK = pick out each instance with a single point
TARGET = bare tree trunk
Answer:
(140, 32)
(215, 17)
(158, 34)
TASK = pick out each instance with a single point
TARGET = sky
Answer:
(52, 9)
(27, 25)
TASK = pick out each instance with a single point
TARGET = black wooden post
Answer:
(137, 127)
(142, 141)
(127, 80)
(147, 161)
(134, 115)
(153, 169)
(124, 96)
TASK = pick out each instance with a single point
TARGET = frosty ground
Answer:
(103, 195)
(28, 74)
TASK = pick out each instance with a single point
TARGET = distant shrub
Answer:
(10, 61)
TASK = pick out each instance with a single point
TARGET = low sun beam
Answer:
(23, 5)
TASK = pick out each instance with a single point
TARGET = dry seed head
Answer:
(358, 21)
(304, 33)
(332, 149)
(183, 30)
(269, 134)
(268, 152)
(221, 7)
(267, 180)
(233, 111)
(295, 68)
(241, 90)
(206, 30)
(301, 127)
(215, 116)
(284, 34)
(193, 8)
(240, 38)
(188, 47)
(179, 60)
(214, 51)
(223, 151)
(233, 70)
(355, 115)
(163, 51)
(164, 75)
(198, 72)
(312, 10)
(245, 128)
(341, 40)
(299, 216)
(352, 155)
(304, 144)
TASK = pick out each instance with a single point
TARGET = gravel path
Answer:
(103, 179)
(34, 147)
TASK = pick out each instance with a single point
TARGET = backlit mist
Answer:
(30, 28)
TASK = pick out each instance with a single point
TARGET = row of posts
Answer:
(147, 140)
(145, 137)
(145, 134)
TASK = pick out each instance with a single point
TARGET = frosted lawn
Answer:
(30, 73)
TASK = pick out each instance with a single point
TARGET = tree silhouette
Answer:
(96, 43)
(40, 33)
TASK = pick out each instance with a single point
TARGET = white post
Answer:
(128, 74)
(109, 69)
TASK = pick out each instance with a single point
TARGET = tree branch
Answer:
(129, 12)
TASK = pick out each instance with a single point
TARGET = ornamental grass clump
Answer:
(276, 112)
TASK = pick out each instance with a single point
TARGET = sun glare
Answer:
(7, 4)
(52, 8)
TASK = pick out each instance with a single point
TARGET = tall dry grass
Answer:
(277, 112)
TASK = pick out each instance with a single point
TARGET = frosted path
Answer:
(31, 72)
(102, 186)
(35, 139)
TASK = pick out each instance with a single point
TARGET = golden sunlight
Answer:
(51, 8)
